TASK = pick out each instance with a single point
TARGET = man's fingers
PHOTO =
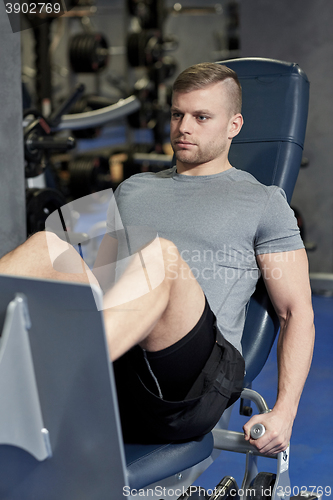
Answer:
(269, 446)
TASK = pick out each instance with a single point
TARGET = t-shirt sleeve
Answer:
(277, 229)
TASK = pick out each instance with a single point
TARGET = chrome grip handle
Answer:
(257, 431)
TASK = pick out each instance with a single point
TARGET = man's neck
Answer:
(210, 168)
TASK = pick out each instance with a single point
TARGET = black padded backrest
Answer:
(275, 109)
(269, 146)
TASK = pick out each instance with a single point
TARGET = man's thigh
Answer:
(186, 300)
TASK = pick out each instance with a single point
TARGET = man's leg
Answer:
(159, 318)
(32, 259)
(155, 320)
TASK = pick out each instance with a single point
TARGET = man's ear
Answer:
(235, 125)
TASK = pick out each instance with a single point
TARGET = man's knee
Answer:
(41, 242)
(27, 258)
(63, 256)
(161, 248)
(170, 250)
(51, 254)
(44, 245)
(162, 257)
(175, 265)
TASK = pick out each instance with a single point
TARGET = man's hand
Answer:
(278, 432)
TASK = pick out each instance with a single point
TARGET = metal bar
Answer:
(256, 398)
(195, 11)
(234, 441)
(100, 116)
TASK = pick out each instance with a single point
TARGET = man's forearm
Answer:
(291, 297)
(295, 348)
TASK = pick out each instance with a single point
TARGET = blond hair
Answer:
(204, 74)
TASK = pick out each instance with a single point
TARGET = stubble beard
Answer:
(200, 156)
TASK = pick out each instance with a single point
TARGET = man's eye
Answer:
(175, 115)
(202, 118)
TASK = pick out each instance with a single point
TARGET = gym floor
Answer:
(311, 462)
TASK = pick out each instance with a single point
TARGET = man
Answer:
(217, 229)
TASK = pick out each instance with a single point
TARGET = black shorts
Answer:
(178, 393)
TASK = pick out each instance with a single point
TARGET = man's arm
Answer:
(287, 281)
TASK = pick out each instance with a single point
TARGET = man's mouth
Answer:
(184, 143)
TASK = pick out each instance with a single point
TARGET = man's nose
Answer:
(186, 126)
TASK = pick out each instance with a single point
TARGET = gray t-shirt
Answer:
(219, 223)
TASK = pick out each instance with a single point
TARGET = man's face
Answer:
(201, 125)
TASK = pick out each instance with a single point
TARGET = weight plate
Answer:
(261, 488)
(88, 52)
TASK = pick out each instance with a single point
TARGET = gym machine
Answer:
(41, 139)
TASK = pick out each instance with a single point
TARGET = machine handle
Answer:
(257, 431)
